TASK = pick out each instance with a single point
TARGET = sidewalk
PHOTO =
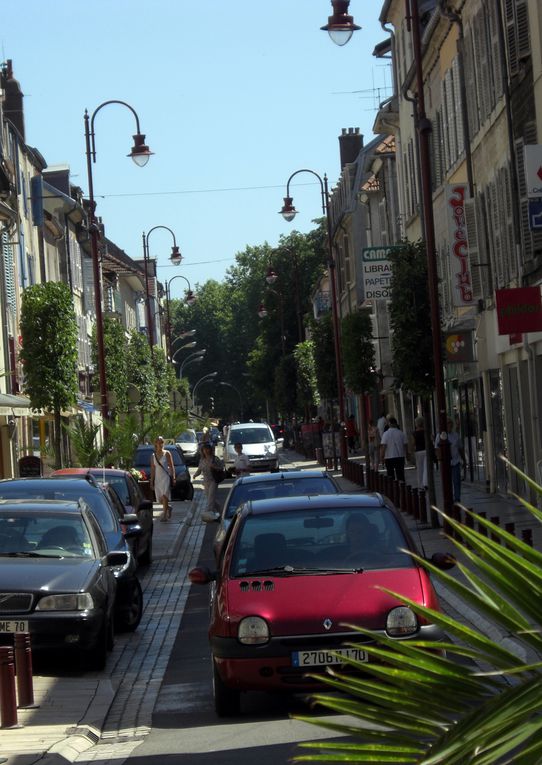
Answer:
(72, 714)
(114, 708)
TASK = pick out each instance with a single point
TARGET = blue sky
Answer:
(233, 98)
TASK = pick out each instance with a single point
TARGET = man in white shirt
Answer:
(393, 450)
(241, 465)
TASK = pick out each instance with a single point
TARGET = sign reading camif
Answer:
(376, 272)
(533, 169)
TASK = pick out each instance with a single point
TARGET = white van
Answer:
(258, 444)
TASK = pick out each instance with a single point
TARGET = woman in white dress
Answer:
(162, 472)
(207, 462)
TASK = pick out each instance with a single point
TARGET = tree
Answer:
(307, 388)
(358, 352)
(49, 351)
(482, 710)
(410, 320)
(324, 356)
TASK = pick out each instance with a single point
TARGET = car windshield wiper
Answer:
(286, 570)
(27, 554)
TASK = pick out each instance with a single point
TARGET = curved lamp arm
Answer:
(140, 152)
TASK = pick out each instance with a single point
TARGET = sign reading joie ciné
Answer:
(376, 271)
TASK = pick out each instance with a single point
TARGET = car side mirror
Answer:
(145, 504)
(443, 561)
(201, 575)
(117, 558)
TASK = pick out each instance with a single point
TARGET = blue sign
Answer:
(535, 214)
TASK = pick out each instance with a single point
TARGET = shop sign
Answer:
(461, 281)
(533, 169)
(519, 310)
(376, 270)
(459, 347)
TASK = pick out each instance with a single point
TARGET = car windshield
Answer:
(329, 540)
(187, 438)
(251, 436)
(49, 488)
(25, 533)
(292, 487)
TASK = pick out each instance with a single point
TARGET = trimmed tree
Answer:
(49, 351)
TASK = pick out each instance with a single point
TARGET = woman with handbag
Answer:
(162, 476)
(209, 466)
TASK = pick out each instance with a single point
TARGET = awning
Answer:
(17, 406)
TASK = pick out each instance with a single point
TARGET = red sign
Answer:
(519, 310)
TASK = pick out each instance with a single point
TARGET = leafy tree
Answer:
(140, 372)
(49, 351)
(115, 352)
(483, 709)
(358, 352)
(285, 386)
(410, 320)
(307, 389)
(324, 356)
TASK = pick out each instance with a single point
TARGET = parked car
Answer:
(57, 577)
(258, 444)
(292, 573)
(129, 598)
(182, 488)
(132, 502)
(285, 483)
(187, 441)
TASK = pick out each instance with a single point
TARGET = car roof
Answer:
(88, 471)
(315, 502)
(61, 505)
(239, 425)
(282, 475)
(51, 481)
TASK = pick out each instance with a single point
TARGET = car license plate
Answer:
(323, 657)
(13, 625)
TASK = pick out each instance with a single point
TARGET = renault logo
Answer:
(328, 624)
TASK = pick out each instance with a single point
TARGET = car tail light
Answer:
(401, 621)
(253, 630)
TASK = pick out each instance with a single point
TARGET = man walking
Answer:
(393, 450)
(457, 458)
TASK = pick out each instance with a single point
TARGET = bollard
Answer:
(510, 528)
(402, 496)
(527, 536)
(496, 520)
(422, 506)
(416, 504)
(8, 698)
(23, 669)
(409, 506)
(482, 529)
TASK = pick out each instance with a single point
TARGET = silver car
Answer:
(188, 444)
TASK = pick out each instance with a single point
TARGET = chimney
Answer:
(13, 103)
(350, 145)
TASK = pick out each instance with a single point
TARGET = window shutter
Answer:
(9, 274)
(88, 285)
(460, 143)
(474, 252)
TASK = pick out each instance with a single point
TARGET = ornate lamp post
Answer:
(191, 359)
(289, 212)
(175, 259)
(424, 132)
(205, 378)
(190, 299)
(140, 153)
(340, 26)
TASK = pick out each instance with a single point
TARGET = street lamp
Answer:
(197, 356)
(140, 153)
(340, 26)
(190, 299)
(175, 259)
(229, 385)
(424, 134)
(186, 345)
(205, 378)
(289, 212)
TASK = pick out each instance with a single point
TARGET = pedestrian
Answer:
(207, 463)
(382, 425)
(162, 476)
(457, 457)
(241, 465)
(373, 437)
(351, 433)
(393, 450)
(420, 453)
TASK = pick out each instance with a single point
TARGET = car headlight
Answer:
(401, 621)
(253, 630)
(76, 601)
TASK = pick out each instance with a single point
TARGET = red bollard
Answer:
(8, 698)
(23, 669)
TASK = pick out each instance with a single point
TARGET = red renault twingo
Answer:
(292, 573)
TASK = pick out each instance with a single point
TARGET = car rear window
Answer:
(47, 534)
(293, 487)
(188, 438)
(251, 436)
(319, 540)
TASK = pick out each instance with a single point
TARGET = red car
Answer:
(292, 574)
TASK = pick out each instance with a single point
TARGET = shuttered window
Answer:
(9, 272)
